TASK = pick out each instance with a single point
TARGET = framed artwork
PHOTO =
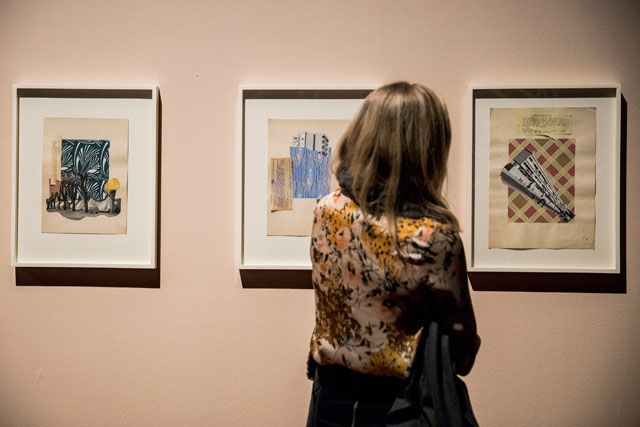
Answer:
(545, 191)
(84, 177)
(288, 140)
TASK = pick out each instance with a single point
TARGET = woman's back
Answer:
(373, 296)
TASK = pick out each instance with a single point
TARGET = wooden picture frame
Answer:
(519, 240)
(268, 257)
(120, 125)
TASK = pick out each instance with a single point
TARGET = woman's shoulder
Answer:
(336, 200)
(420, 238)
(424, 228)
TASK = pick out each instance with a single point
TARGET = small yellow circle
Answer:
(112, 184)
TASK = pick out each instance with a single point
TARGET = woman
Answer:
(387, 259)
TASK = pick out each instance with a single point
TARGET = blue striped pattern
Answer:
(311, 173)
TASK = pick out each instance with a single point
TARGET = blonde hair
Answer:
(396, 151)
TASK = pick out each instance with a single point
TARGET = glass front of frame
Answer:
(289, 138)
(545, 185)
(85, 177)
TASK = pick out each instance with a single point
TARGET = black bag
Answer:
(435, 396)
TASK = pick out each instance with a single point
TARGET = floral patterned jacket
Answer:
(373, 296)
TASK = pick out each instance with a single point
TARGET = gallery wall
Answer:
(203, 351)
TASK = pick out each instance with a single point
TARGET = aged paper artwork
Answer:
(84, 175)
(281, 182)
(299, 171)
(542, 178)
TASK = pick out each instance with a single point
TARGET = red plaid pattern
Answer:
(557, 158)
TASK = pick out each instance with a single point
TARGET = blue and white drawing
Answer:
(88, 157)
(311, 159)
(83, 187)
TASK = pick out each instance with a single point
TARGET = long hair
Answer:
(396, 151)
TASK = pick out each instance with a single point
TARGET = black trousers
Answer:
(343, 398)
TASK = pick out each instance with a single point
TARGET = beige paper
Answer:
(101, 219)
(298, 220)
(280, 191)
(509, 124)
(547, 123)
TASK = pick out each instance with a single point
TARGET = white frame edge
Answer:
(155, 99)
(14, 177)
(239, 178)
(468, 241)
(240, 162)
(156, 143)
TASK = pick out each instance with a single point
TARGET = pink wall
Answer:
(203, 351)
